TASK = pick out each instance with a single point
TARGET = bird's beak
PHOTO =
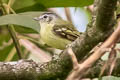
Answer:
(36, 18)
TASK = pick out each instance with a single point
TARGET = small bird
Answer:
(55, 31)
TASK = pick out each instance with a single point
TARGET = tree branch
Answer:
(30, 70)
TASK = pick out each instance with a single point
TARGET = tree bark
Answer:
(30, 70)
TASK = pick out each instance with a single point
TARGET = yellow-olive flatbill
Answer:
(55, 31)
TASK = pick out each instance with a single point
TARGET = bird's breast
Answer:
(51, 39)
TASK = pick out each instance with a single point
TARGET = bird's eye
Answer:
(45, 17)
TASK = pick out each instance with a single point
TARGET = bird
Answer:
(56, 32)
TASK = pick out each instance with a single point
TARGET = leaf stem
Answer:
(15, 40)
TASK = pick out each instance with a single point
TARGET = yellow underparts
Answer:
(51, 39)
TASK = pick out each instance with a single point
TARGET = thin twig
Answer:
(43, 57)
(11, 54)
(6, 44)
(90, 9)
(67, 12)
(74, 59)
(110, 59)
(13, 32)
(15, 40)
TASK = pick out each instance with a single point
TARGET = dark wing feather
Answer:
(66, 31)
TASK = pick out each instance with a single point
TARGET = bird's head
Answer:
(47, 18)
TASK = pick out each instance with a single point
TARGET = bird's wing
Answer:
(67, 31)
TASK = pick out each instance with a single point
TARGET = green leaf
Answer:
(65, 3)
(27, 5)
(21, 29)
(32, 14)
(18, 4)
(23, 19)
